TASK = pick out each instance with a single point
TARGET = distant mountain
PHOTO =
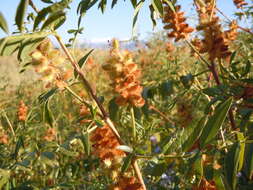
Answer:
(130, 45)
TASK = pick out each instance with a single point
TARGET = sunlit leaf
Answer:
(53, 19)
(83, 60)
(20, 14)
(158, 6)
(136, 13)
(47, 114)
(3, 24)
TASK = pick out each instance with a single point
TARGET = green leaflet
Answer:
(47, 114)
(20, 14)
(215, 122)
(3, 24)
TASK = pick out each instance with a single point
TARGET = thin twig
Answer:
(10, 125)
(133, 124)
(138, 173)
(151, 107)
(100, 106)
(197, 52)
(242, 28)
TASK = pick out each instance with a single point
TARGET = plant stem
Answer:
(10, 125)
(100, 106)
(133, 124)
(242, 28)
(151, 107)
(138, 173)
(76, 96)
(197, 52)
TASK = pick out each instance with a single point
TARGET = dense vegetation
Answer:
(173, 113)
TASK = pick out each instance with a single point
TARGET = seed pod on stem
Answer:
(175, 23)
(125, 76)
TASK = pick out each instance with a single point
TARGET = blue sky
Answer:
(113, 23)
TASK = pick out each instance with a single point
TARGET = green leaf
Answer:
(136, 13)
(152, 15)
(83, 6)
(158, 6)
(218, 178)
(232, 57)
(47, 1)
(86, 142)
(83, 60)
(241, 139)
(3, 24)
(187, 80)
(248, 167)
(166, 89)
(4, 177)
(56, 7)
(19, 144)
(53, 20)
(47, 114)
(113, 109)
(127, 162)
(20, 14)
(231, 165)
(3, 41)
(114, 2)
(194, 136)
(198, 168)
(215, 122)
(134, 3)
(45, 96)
(26, 47)
(11, 45)
(102, 5)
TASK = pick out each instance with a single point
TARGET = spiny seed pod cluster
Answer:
(125, 76)
(240, 3)
(214, 42)
(47, 62)
(175, 22)
(197, 43)
(22, 111)
(105, 146)
(232, 33)
(50, 134)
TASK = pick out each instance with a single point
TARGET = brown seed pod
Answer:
(22, 111)
(105, 144)
(125, 76)
(47, 62)
(214, 42)
(175, 23)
